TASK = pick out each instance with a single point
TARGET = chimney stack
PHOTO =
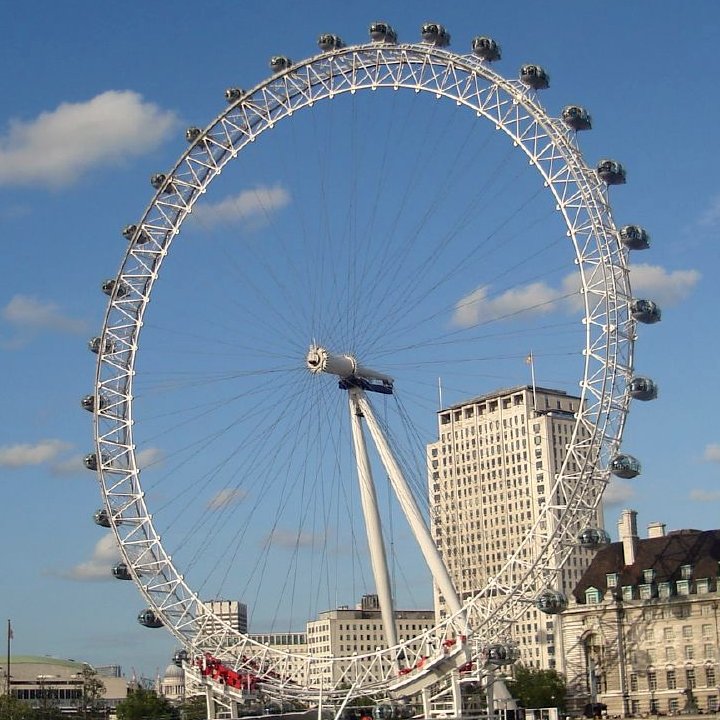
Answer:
(627, 531)
(656, 530)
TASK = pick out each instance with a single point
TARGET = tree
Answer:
(93, 690)
(193, 708)
(144, 704)
(13, 709)
(534, 688)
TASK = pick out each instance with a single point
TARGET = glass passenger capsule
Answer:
(192, 134)
(435, 34)
(577, 118)
(551, 602)
(625, 466)
(534, 77)
(96, 344)
(129, 232)
(381, 32)
(642, 388)
(645, 311)
(634, 237)
(102, 518)
(121, 572)
(148, 618)
(502, 654)
(278, 63)
(88, 403)
(90, 461)
(233, 94)
(159, 182)
(180, 657)
(486, 48)
(593, 538)
(611, 172)
(328, 41)
(112, 286)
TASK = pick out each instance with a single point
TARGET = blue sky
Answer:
(97, 98)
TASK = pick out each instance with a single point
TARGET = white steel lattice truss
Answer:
(581, 199)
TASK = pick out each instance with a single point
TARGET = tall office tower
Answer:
(231, 611)
(489, 473)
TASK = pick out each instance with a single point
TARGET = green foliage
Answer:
(13, 709)
(194, 708)
(538, 688)
(144, 704)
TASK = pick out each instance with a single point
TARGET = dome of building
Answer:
(173, 672)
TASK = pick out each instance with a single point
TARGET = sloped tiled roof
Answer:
(666, 555)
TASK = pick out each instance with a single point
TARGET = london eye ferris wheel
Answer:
(342, 234)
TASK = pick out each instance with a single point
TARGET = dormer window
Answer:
(649, 575)
(686, 572)
(592, 596)
(611, 579)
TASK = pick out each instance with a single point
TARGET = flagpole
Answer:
(7, 678)
(531, 362)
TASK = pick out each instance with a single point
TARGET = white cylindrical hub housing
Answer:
(320, 360)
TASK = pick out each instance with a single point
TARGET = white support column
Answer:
(412, 512)
(373, 527)
(490, 689)
(426, 701)
(457, 694)
(210, 702)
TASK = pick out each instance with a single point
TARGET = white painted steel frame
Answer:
(371, 515)
(580, 197)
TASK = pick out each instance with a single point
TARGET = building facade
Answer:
(296, 647)
(50, 683)
(232, 612)
(641, 633)
(346, 632)
(489, 472)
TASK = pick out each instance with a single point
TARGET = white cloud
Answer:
(291, 538)
(29, 313)
(705, 495)
(99, 567)
(69, 466)
(711, 217)
(712, 453)
(59, 146)
(228, 496)
(535, 298)
(618, 492)
(25, 454)
(149, 456)
(666, 287)
(254, 207)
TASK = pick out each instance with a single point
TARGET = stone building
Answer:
(641, 634)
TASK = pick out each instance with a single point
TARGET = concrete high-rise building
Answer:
(230, 611)
(490, 471)
(347, 632)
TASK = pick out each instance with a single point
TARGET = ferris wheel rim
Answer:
(115, 369)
